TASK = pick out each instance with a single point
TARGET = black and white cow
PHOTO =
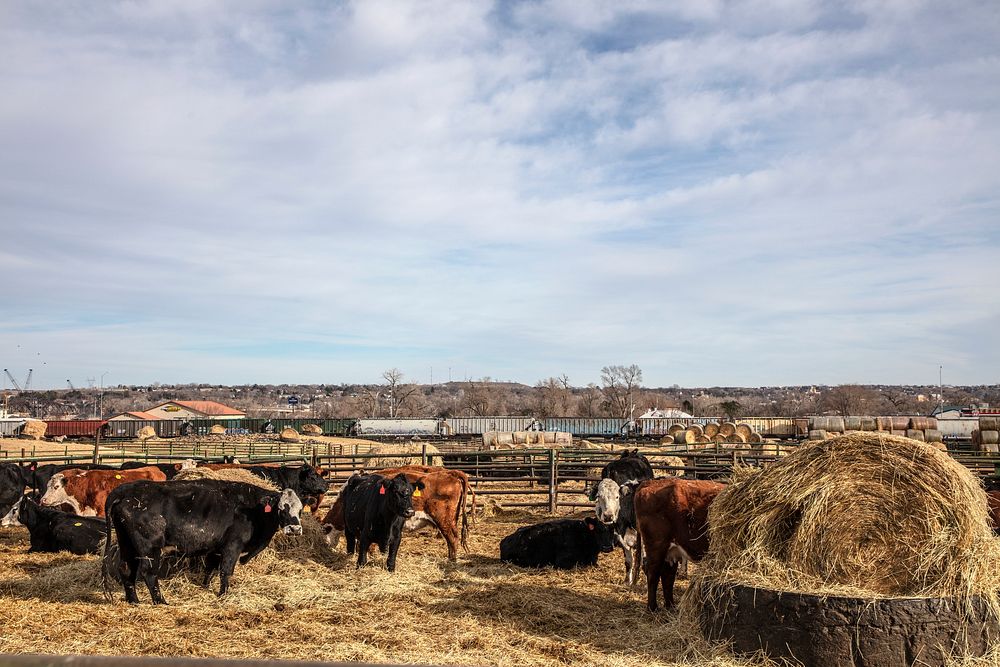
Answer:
(563, 543)
(220, 520)
(615, 508)
(375, 509)
(13, 479)
(631, 465)
(52, 530)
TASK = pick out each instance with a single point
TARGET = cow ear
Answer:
(593, 493)
(419, 485)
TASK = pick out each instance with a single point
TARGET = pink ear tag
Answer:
(267, 507)
(590, 525)
(381, 490)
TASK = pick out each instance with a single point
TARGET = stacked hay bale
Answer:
(527, 439)
(720, 435)
(852, 528)
(923, 429)
(33, 429)
(312, 429)
(394, 456)
(987, 437)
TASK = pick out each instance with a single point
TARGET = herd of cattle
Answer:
(143, 519)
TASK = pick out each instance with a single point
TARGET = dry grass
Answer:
(298, 600)
(866, 514)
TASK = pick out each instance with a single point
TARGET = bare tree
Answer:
(848, 399)
(589, 402)
(618, 383)
(553, 397)
(395, 391)
(484, 397)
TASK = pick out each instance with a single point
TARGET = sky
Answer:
(745, 193)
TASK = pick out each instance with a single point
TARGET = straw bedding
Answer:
(298, 600)
(866, 514)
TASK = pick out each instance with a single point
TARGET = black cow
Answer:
(52, 530)
(169, 469)
(303, 480)
(13, 479)
(631, 465)
(216, 519)
(375, 508)
(42, 474)
(563, 543)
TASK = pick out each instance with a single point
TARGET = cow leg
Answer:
(128, 566)
(211, 565)
(667, 578)
(654, 564)
(363, 546)
(637, 562)
(349, 536)
(629, 563)
(230, 554)
(393, 545)
(149, 566)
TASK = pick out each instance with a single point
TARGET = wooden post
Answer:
(553, 481)
(314, 456)
(423, 454)
(97, 446)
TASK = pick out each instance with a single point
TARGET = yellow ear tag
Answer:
(77, 524)
(416, 493)
(118, 476)
(307, 509)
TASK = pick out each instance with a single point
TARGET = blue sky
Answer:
(725, 193)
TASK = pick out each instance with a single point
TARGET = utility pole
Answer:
(102, 393)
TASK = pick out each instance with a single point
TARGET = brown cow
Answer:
(440, 504)
(87, 490)
(672, 517)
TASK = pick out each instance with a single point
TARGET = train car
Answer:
(392, 427)
(607, 427)
(276, 424)
(9, 428)
(76, 428)
(128, 429)
(960, 428)
(480, 425)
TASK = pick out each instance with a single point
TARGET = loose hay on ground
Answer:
(393, 456)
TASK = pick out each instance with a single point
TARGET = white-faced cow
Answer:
(615, 507)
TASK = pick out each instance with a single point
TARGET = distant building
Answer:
(134, 415)
(194, 410)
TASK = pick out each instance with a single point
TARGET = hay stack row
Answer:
(726, 434)
(987, 437)
(924, 429)
(505, 439)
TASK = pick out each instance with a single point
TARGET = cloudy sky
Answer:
(725, 193)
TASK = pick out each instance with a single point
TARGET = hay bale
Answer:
(933, 435)
(922, 423)
(393, 456)
(869, 424)
(755, 438)
(989, 424)
(703, 440)
(675, 429)
(989, 437)
(672, 461)
(727, 428)
(312, 429)
(289, 434)
(914, 434)
(864, 515)
(34, 429)
(745, 431)
(146, 432)
(736, 439)
(718, 438)
(711, 430)
(852, 423)
(817, 435)
(691, 436)
(900, 423)
(667, 440)
(884, 424)
(898, 433)
(226, 475)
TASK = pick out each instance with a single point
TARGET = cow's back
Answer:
(91, 487)
(672, 510)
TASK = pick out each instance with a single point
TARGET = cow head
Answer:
(11, 517)
(288, 506)
(602, 533)
(607, 505)
(398, 494)
(311, 483)
(188, 464)
(55, 492)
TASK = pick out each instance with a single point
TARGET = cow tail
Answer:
(107, 556)
(461, 509)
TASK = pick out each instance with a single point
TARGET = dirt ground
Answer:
(299, 600)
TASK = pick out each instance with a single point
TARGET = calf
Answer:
(41, 474)
(631, 465)
(615, 507)
(206, 517)
(168, 469)
(86, 491)
(672, 517)
(564, 544)
(441, 503)
(52, 530)
(375, 508)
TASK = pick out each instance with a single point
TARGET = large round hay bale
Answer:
(922, 423)
(289, 434)
(884, 423)
(869, 424)
(697, 428)
(718, 438)
(703, 440)
(900, 423)
(674, 461)
(898, 433)
(711, 429)
(989, 437)
(34, 429)
(312, 429)
(744, 430)
(217, 429)
(393, 456)
(667, 440)
(817, 435)
(755, 438)
(727, 428)
(808, 523)
(852, 423)
(989, 424)
(933, 435)
(675, 429)
(736, 439)
(146, 432)
(226, 475)
(914, 434)
(691, 436)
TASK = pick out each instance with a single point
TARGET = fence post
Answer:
(97, 446)
(314, 458)
(553, 480)
(423, 454)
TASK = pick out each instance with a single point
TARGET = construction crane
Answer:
(70, 385)
(12, 380)
(27, 381)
